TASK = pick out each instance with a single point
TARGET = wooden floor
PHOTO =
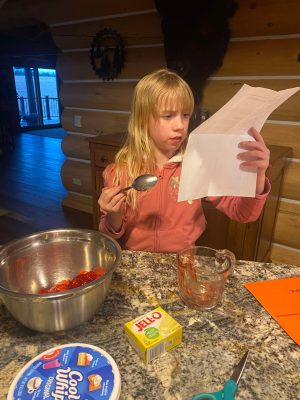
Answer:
(31, 189)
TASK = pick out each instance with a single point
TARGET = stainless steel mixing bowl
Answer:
(40, 261)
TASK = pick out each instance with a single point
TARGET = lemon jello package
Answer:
(153, 333)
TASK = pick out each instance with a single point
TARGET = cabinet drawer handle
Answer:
(104, 159)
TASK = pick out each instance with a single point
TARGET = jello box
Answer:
(153, 333)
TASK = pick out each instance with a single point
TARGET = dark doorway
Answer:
(26, 46)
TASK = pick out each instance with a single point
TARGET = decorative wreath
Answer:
(107, 54)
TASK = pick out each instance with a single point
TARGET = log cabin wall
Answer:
(263, 51)
(93, 106)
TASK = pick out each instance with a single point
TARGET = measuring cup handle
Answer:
(230, 257)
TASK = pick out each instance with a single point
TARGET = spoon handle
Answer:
(125, 189)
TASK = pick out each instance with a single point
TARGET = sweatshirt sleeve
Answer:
(104, 226)
(242, 209)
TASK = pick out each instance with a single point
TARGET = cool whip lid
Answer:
(71, 371)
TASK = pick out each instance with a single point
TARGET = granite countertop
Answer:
(213, 342)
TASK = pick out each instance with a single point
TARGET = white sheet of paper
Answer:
(210, 166)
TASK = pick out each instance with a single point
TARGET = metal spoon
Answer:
(142, 183)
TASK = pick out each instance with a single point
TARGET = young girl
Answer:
(157, 135)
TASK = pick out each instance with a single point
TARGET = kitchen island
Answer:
(213, 341)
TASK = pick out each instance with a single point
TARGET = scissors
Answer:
(229, 389)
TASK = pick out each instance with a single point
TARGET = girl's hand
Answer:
(111, 202)
(257, 155)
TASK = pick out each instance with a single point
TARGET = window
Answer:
(37, 96)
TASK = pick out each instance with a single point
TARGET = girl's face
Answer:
(168, 131)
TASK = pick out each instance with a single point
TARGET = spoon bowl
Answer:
(142, 183)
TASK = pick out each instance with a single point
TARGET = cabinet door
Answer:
(269, 220)
(104, 156)
(216, 232)
(101, 156)
(98, 187)
(223, 233)
(250, 241)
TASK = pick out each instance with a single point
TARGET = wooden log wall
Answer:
(102, 106)
(263, 51)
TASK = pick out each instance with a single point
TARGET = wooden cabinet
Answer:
(103, 149)
(251, 241)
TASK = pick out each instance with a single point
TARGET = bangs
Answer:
(160, 90)
(174, 99)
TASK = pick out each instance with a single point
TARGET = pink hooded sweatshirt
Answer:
(161, 224)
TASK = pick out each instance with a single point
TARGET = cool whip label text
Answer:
(67, 384)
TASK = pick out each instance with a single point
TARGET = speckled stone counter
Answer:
(213, 341)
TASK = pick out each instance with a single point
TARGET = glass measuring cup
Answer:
(202, 274)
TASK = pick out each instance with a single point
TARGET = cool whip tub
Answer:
(153, 333)
(73, 371)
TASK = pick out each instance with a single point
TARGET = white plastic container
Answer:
(71, 372)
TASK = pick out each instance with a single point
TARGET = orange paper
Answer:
(281, 298)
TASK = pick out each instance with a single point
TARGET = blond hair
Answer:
(161, 88)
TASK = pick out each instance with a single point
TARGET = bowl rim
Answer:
(68, 293)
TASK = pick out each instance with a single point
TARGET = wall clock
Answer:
(107, 54)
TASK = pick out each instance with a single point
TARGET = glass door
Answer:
(37, 96)
(49, 96)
